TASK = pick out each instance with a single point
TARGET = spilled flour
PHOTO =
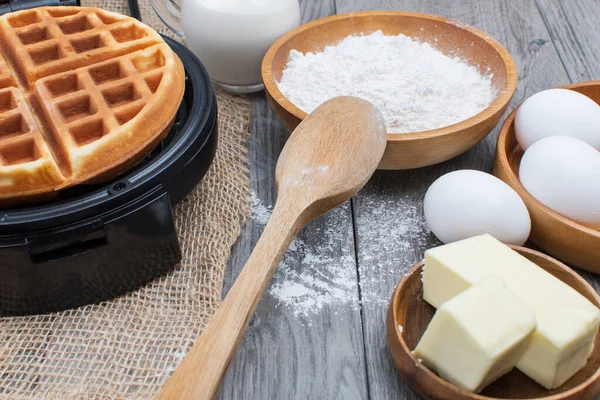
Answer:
(260, 212)
(318, 282)
(309, 279)
(401, 234)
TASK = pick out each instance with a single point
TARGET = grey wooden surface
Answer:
(340, 352)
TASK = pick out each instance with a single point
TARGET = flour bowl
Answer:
(409, 315)
(557, 235)
(414, 149)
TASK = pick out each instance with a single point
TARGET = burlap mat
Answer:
(128, 347)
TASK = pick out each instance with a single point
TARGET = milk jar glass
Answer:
(230, 37)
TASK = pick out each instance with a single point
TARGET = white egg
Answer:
(564, 174)
(558, 112)
(467, 203)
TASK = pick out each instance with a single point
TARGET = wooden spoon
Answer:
(327, 159)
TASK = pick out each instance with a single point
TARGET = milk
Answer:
(231, 37)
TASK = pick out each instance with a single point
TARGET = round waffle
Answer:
(84, 95)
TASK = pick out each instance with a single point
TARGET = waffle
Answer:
(84, 95)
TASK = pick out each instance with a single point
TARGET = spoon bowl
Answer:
(339, 160)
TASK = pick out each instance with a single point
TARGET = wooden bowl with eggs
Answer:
(557, 235)
(408, 310)
(414, 149)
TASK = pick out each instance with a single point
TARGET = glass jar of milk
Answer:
(231, 37)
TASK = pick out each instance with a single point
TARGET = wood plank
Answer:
(573, 27)
(391, 232)
(287, 356)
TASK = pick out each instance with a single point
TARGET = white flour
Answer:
(260, 212)
(317, 282)
(400, 234)
(308, 279)
(415, 86)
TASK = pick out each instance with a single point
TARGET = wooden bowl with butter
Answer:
(557, 235)
(414, 149)
(408, 310)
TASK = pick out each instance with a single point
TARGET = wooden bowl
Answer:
(406, 150)
(408, 309)
(559, 236)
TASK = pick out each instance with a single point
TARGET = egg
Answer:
(558, 112)
(467, 203)
(563, 173)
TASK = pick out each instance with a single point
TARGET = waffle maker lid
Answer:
(94, 242)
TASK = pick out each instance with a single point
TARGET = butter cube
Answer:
(477, 336)
(566, 321)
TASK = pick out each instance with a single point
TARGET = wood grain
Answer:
(409, 310)
(573, 26)
(284, 356)
(391, 232)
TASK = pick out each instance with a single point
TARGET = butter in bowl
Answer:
(510, 323)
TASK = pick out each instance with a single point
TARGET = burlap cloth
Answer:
(128, 347)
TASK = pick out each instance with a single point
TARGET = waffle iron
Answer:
(94, 242)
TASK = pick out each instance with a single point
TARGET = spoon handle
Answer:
(200, 374)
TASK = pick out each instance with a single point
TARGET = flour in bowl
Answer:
(415, 86)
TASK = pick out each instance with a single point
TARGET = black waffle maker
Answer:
(94, 242)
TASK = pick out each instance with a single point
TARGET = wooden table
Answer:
(340, 352)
